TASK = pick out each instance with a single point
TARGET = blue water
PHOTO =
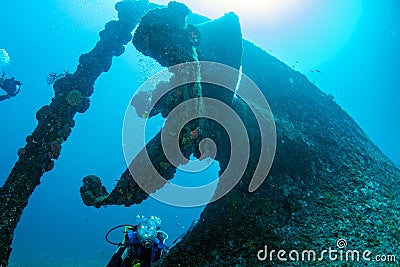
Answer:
(42, 37)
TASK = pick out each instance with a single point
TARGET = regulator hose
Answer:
(112, 229)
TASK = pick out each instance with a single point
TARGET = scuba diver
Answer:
(11, 86)
(142, 245)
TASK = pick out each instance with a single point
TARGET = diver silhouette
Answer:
(143, 243)
(10, 86)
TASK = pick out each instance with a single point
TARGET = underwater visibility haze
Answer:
(327, 169)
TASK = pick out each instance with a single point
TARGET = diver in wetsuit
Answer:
(11, 86)
(143, 244)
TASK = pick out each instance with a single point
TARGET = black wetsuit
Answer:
(11, 86)
(136, 252)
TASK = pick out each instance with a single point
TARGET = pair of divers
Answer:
(10, 86)
(143, 244)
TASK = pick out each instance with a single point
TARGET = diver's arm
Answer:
(157, 255)
(116, 260)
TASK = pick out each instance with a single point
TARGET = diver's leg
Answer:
(4, 97)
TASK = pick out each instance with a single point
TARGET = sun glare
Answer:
(310, 30)
(270, 13)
